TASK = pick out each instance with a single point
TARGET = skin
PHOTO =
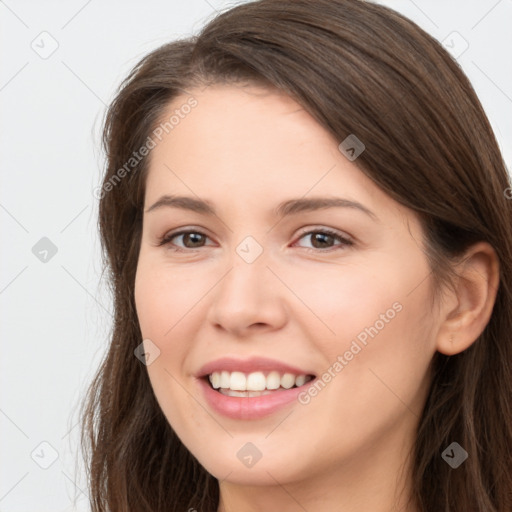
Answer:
(246, 149)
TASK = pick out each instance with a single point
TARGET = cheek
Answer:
(163, 296)
(162, 300)
(340, 300)
(374, 330)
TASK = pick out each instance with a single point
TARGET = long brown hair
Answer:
(358, 68)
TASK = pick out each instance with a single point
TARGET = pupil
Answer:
(193, 235)
(321, 235)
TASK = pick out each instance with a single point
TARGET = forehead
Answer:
(233, 118)
(251, 146)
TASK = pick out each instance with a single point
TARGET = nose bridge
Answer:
(247, 276)
(248, 293)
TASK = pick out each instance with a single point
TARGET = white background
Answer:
(55, 315)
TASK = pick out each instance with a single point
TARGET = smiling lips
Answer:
(255, 383)
(250, 389)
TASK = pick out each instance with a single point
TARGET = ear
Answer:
(468, 307)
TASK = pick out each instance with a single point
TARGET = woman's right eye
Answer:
(192, 235)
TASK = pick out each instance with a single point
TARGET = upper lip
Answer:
(253, 364)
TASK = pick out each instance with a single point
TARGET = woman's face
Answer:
(340, 293)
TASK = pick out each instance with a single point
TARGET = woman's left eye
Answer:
(319, 236)
(325, 236)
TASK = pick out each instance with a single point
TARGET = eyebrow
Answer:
(286, 208)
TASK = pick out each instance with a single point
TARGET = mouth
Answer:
(255, 384)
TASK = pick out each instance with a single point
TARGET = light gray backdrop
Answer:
(61, 62)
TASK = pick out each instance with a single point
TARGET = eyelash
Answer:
(166, 240)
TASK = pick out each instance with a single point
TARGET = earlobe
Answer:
(474, 297)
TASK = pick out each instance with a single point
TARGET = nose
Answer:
(248, 298)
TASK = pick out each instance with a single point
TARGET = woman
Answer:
(306, 220)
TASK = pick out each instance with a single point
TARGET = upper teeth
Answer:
(255, 381)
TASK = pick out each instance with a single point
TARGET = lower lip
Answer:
(250, 407)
